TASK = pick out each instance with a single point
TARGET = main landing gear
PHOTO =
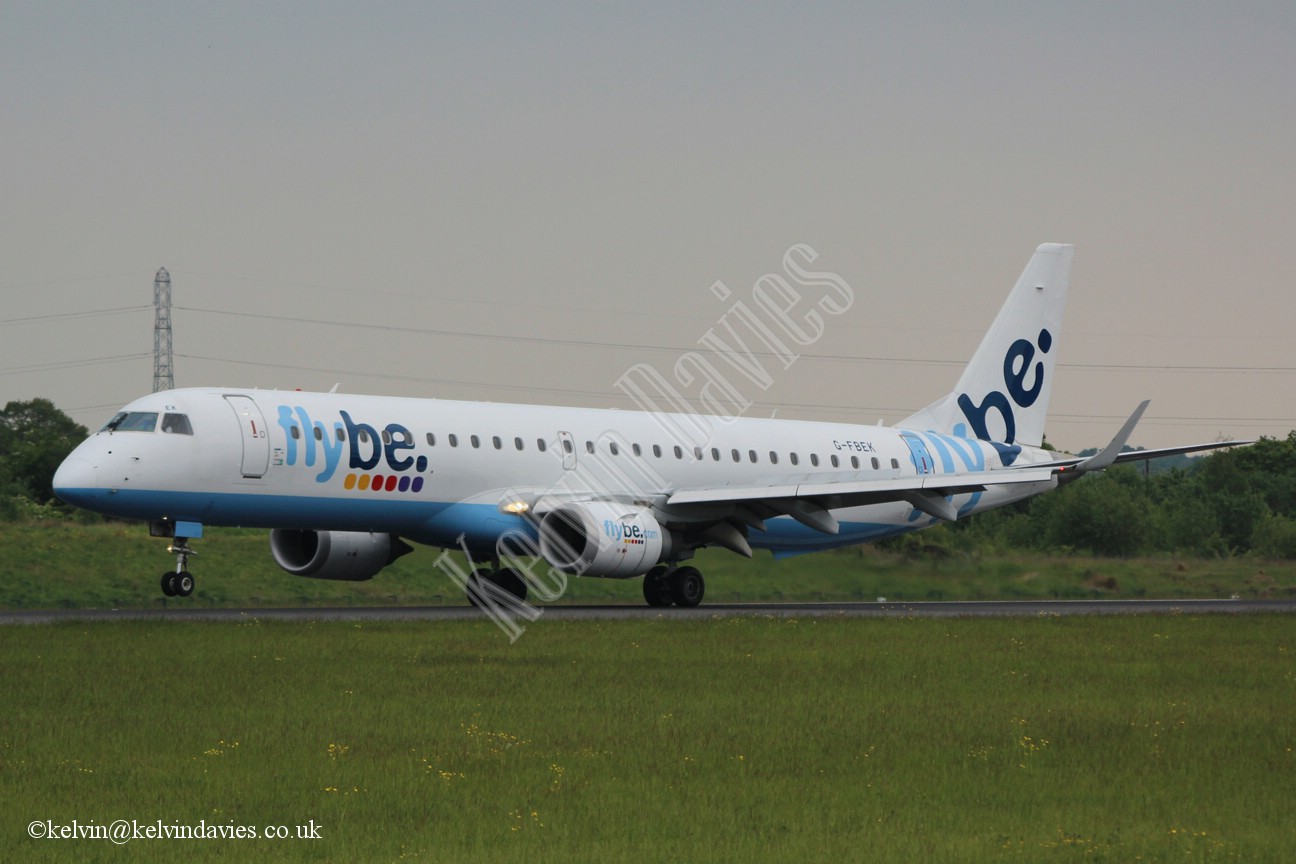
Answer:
(485, 582)
(682, 586)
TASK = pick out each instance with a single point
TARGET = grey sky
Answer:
(581, 176)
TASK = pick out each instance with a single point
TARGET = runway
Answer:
(952, 609)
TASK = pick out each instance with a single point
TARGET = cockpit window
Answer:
(176, 424)
(132, 421)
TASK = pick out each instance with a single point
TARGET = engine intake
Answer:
(603, 539)
(349, 556)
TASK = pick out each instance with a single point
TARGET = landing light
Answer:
(517, 508)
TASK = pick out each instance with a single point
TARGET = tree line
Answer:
(1227, 503)
(35, 437)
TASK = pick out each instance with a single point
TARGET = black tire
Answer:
(169, 584)
(687, 587)
(511, 582)
(476, 593)
(184, 584)
(657, 587)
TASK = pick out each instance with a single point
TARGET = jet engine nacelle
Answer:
(603, 539)
(350, 556)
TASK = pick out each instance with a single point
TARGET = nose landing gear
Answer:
(178, 583)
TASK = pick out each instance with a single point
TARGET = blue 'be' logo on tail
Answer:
(1016, 369)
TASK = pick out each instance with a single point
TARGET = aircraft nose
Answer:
(75, 480)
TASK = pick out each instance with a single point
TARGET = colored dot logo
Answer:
(382, 483)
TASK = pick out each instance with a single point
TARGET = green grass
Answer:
(62, 564)
(737, 739)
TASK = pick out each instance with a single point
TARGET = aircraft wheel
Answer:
(687, 587)
(476, 593)
(184, 584)
(169, 584)
(511, 582)
(657, 587)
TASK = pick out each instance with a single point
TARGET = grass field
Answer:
(737, 739)
(63, 564)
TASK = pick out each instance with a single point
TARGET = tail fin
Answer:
(1004, 392)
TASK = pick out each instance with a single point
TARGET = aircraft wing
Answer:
(1114, 453)
(1145, 455)
(730, 507)
(810, 503)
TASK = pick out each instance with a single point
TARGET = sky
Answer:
(520, 202)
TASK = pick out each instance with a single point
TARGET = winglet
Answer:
(1107, 456)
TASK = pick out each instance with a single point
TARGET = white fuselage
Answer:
(436, 471)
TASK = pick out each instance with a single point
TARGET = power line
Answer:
(70, 364)
(50, 283)
(1167, 420)
(588, 343)
(68, 316)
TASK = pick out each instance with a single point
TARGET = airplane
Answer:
(343, 481)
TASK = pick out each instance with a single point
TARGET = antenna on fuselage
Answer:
(163, 373)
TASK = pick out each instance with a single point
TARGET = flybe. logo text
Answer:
(362, 447)
(1023, 384)
(627, 532)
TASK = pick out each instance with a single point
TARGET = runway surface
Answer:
(1014, 608)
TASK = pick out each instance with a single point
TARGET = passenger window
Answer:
(341, 432)
(386, 437)
(854, 461)
(589, 446)
(612, 448)
(657, 450)
(495, 440)
(814, 459)
(697, 454)
(540, 445)
(875, 463)
(635, 448)
(735, 455)
(363, 436)
(895, 463)
(774, 458)
(474, 440)
(679, 452)
(453, 439)
(517, 442)
(319, 433)
(715, 454)
(296, 432)
(431, 439)
(567, 446)
(835, 463)
(751, 454)
(176, 424)
(793, 458)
